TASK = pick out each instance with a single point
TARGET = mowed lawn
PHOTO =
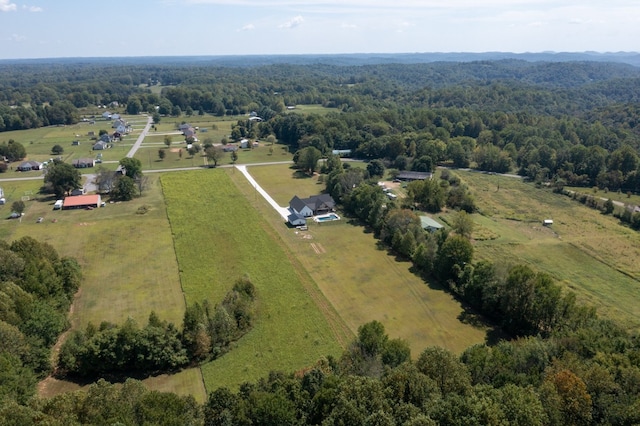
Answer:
(361, 281)
(585, 251)
(127, 259)
(219, 237)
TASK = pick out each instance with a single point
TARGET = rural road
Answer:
(143, 134)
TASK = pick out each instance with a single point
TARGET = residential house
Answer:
(28, 166)
(314, 205)
(230, 148)
(106, 138)
(100, 145)
(83, 163)
(106, 115)
(115, 116)
(189, 133)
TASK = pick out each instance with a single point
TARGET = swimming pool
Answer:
(326, 217)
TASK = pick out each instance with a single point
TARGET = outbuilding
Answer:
(547, 222)
(82, 202)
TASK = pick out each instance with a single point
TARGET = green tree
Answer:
(125, 189)
(234, 157)
(308, 158)
(18, 206)
(134, 106)
(372, 338)
(454, 254)
(132, 166)
(62, 178)
(57, 149)
(214, 153)
(440, 365)
(463, 224)
(608, 206)
(375, 168)
(162, 153)
(168, 140)
(14, 151)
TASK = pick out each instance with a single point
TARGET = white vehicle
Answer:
(58, 205)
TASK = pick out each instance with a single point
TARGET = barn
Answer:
(81, 202)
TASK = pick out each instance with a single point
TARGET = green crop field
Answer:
(586, 251)
(219, 237)
(362, 282)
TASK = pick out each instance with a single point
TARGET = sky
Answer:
(117, 28)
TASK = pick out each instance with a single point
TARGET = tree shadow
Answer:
(299, 174)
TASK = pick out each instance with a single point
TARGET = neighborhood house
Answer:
(314, 205)
(27, 166)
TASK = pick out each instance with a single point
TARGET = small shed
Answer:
(547, 222)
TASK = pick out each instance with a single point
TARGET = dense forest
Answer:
(554, 122)
(571, 122)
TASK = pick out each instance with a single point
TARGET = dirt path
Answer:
(44, 386)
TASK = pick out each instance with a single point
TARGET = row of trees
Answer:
(130, 351)
(584, 376)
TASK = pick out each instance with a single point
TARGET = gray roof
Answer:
(315, 202)
(415, 175)
(428, 222)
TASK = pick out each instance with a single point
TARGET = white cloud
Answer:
(5, 6)
(293, 23)
(248, 27)
(35, 9)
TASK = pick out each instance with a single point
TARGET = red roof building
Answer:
(81, 201)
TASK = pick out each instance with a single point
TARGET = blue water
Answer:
(327, 218)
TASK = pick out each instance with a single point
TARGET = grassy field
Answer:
(38, 142)
(128, 263)
(219, 237)
(364, 283)
(613, 195)
(584, 250)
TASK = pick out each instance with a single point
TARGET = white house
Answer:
(106, 115)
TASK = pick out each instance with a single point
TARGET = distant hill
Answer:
(631, 58)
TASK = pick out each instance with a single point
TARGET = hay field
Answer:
(586, 251)
(365, 283)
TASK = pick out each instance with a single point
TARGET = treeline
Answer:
(585, 376)
(36, 289)
(131, 351)
(522, 301)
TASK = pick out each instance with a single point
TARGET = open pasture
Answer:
(220, 237)
(128, 262)
(584, 250)
(38, 142)
(148, 155)
(365, 283)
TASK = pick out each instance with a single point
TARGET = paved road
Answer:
(143, 134)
